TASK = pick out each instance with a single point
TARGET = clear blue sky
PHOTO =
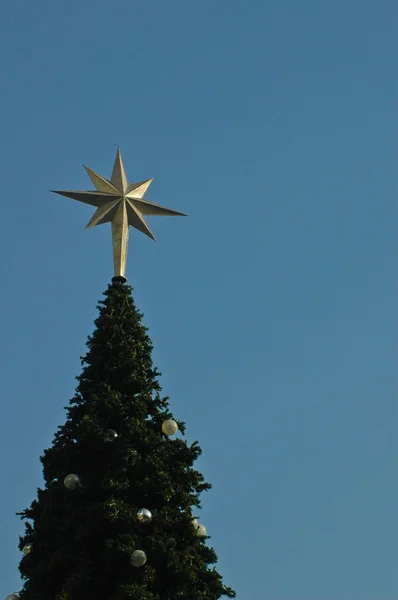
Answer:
(272, 307)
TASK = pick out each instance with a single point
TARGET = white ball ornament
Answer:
(13, 596)
(110, 435)
(72, 481)
(138, 558)
(201, 530)
(169, 427)
(195, 523)
(144, 515)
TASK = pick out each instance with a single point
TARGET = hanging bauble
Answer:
(144, 515)
(26, 549)
(169, 427)
(201, 530)
(13, 596)
(72, 481)
(138, 558)
(110, 435)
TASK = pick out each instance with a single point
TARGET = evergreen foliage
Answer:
(82, 540)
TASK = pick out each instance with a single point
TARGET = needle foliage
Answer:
(78, 543)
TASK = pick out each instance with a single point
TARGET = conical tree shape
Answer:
(81, 541)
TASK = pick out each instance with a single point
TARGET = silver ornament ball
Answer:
(144, 515)
(72, 481)
(169, 427)
(201, 530)
(110, 435)
(138, 558)
(13, 596)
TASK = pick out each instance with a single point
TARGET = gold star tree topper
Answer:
(121, 204)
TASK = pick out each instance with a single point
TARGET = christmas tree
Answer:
(117, 516)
